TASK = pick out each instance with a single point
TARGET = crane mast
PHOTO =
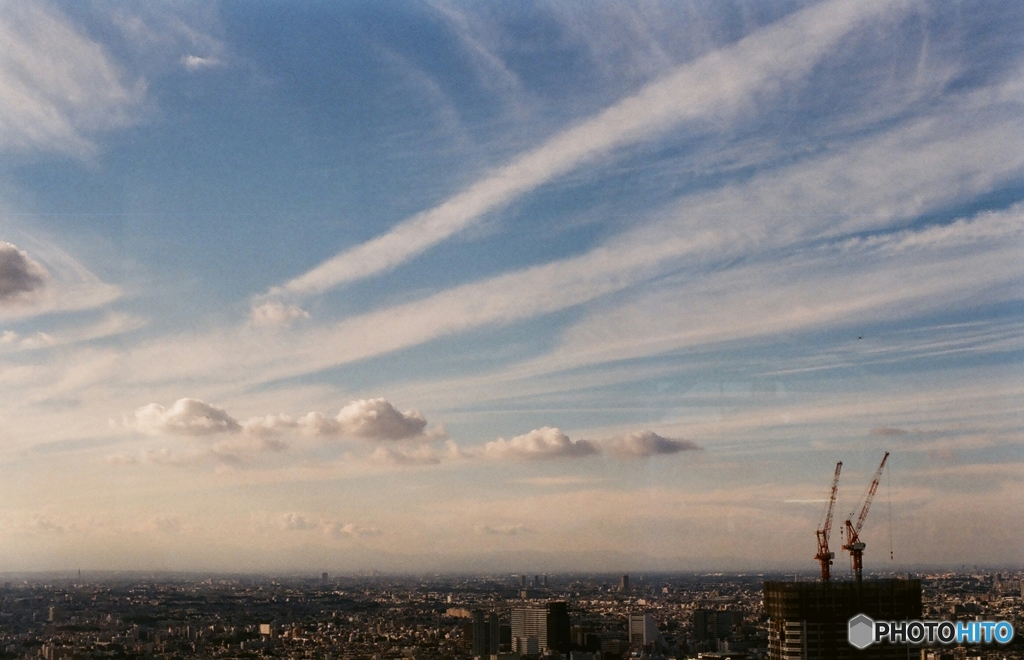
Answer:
(824, 555)
(853, 543)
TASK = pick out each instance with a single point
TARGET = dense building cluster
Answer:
(648, 617)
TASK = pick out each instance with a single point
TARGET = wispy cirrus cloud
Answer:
(57, 86)
(872, 185)
(713, 86)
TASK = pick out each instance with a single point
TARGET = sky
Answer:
(515, 287)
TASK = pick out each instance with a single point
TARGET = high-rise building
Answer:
(643, 630)
(624, 583)
(546, 628)
(529, 630)
(710, 625)
(486, 633)
(479, 634)
(810, 620)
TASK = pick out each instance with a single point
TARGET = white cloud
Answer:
(641, 444)
(20, 275)
(11, 339)
(269, 425)
(111, 325)
(57, 86)
(185, 417)
(377, 419)
(195, 62)
(275, 313)
(713, 86)
(545, 442)
(367, 419)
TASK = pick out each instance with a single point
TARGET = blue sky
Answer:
(479, 286)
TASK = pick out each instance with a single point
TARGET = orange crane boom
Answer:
(853, 543)
(824, 555)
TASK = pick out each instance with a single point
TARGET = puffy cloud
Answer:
(185, 417)
(377, 419)
(275, 313)
(316, 424)
(20, 276)
(545, 442)
(887, 431)
(641, 444)
(370, 419)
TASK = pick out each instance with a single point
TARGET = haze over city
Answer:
(527, 287)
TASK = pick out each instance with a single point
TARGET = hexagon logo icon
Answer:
(862, 631)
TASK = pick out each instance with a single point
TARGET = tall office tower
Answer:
(643, 630)
(541, 628)
(480, 633)
(493, 634)
(710, 625)
(559, 627)
(486, 633)
(810, 620)
(624, 583)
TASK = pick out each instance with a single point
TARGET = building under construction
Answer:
(810, 620)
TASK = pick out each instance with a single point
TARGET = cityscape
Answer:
(438, 617)
(512, 329)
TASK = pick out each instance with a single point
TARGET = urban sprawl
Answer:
(373, 617)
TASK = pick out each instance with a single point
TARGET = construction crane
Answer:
(824, 555)
(853, 543)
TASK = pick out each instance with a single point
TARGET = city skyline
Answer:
(546, 287)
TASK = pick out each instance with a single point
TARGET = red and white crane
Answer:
(853, 543)
(824, 555)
